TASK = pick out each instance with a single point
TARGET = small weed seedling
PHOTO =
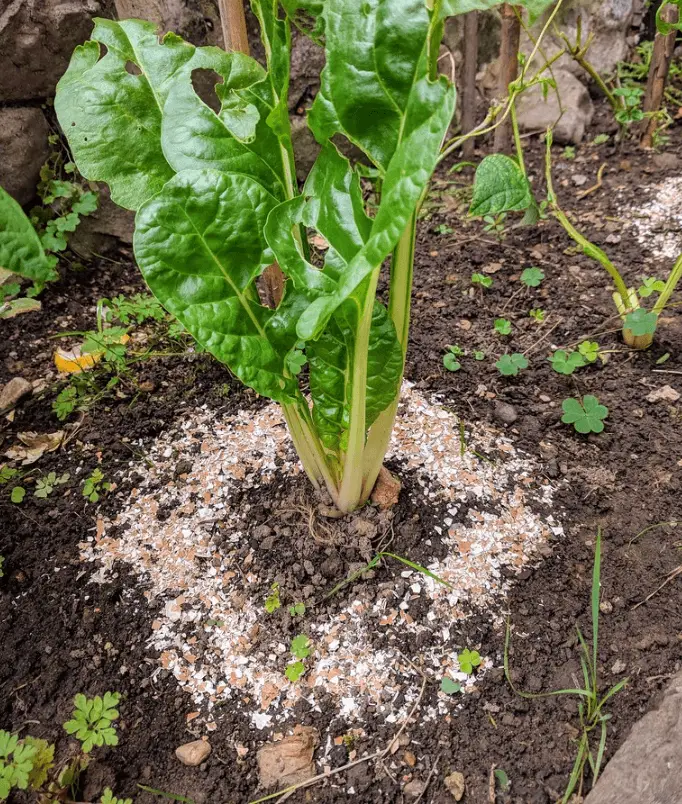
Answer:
(589, 350)
(300, 649)
(95, 485)
(586, 416)
(502, 780)
(566, 362)
(108, 797)
(569, 152)
(601, 139)
(632, 108)
(479, 354)
(443, 229)
(593, 718)
(532, 277)
(46, 485)
(482, 280)
(468, 659)
(92, 719)
(510, 365)
(450, 358)
(537, 314)
(16, 763)
(650, 285)
(272, 601)
(494, 224)
(450, 687)
(17, 495)
(297, 610)
(502, 326)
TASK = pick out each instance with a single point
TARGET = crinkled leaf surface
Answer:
(200, 246)
(20, 248)
(500, 186)
(112, 107)
(534, 8)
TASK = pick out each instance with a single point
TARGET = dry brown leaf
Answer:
(289, 761)
(34, 446)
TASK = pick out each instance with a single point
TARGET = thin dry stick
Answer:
(597, 185)
(428, 781)
(491, 785)
(283, 795)
(670, 577)
(235, 38)
(664, 45)
(510, 37)
(469, 70)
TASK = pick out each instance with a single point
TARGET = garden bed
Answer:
(129, 594)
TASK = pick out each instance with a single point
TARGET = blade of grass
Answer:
(600, 753)
(417, 567)
(596, 587)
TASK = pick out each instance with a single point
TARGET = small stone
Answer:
(410, 758)
(618, 667)
(579, 179)
(194, 753)
(455, 784)
(12, 393)
(505, 413)
(666, 161)
(386, 490)
(414, 789)
(606, 607)
(664, 394)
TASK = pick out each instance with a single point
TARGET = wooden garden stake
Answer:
(233, 23)
(509, 66)
(469, 70)
(664, 45)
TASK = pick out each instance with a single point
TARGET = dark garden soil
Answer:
(61, 634)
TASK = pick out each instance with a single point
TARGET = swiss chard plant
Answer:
(217, 202)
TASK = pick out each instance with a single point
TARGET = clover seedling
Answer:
(566, 362)
(95, 485)
(272, 601)
(532, 277)
(589, 350)
(443, 229)
(640, 322)
(468, 659)
(650, 285)
(92, 718)
(449, 687)
(6, 474)
(586, 416)
(482, 280)
(632, 112)
(479, 355)
(46, 485)
(538, 314)
(502, 326)
(450, 360)
(17, 495)
(300, 648)
(297, 610)
(510, 365)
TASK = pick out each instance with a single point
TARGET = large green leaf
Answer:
(500, 186)
(20, 249)
(200, 246)
(535, 8)
(376, 90)
(111, 108)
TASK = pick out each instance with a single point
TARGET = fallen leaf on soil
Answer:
(35, 444)
(13, 392)
(414, 788)
(289, 761)
(386, 490)
(464, 324)
(492, 268)
(664, 394)
(15, 307)
(455, 784)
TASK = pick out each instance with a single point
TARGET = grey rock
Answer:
(104, 230)
(38, 37)
(536, 113)
(646, 768)
(666, 161)
(13, 392)
(505, 413)
(24, 149)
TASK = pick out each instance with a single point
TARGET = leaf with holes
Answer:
(21, 251)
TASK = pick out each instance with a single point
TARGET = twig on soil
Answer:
(491, 785)
(428, 781)
(595, 186)
(283, 795)
(544, 337)
(669, 578)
